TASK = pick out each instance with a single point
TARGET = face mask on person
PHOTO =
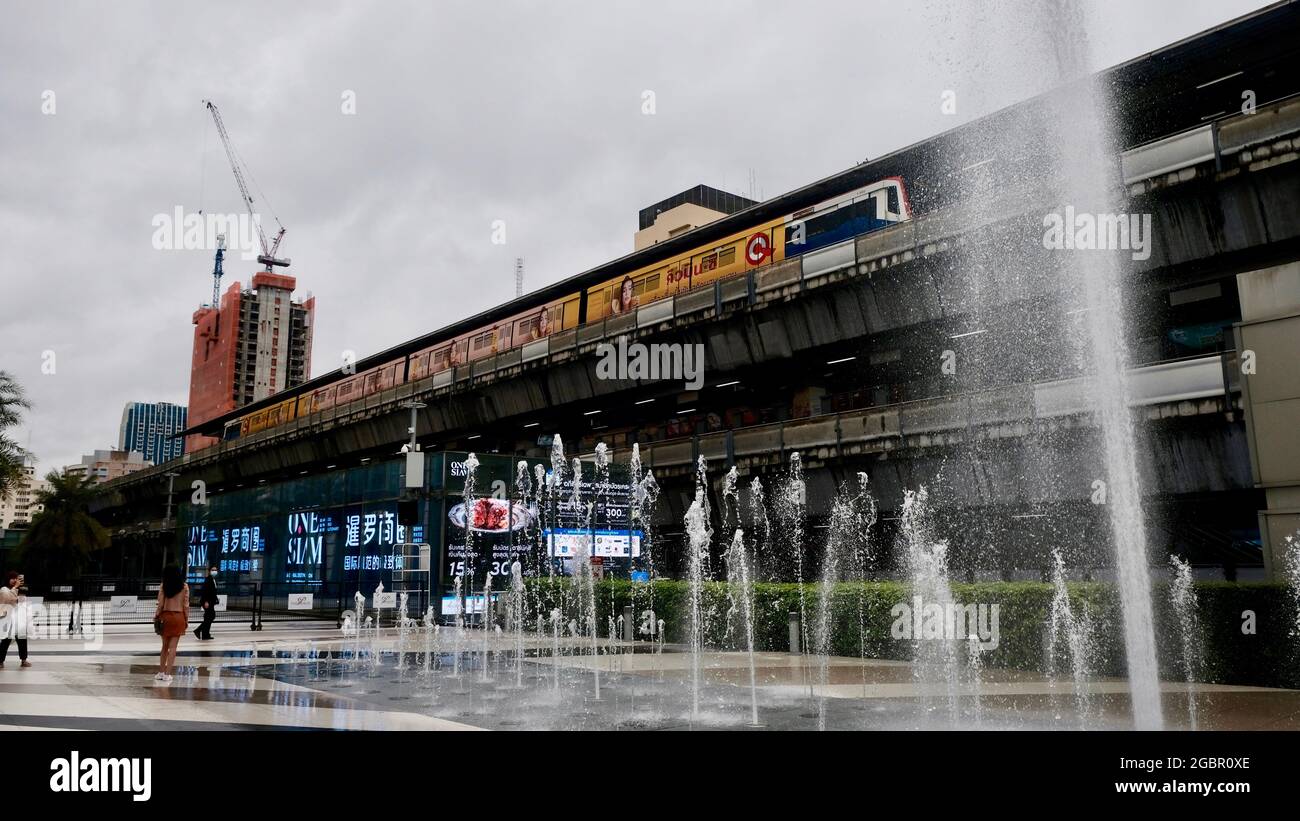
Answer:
(212, 573)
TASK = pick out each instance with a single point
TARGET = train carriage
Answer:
(817, 230)
(822, 234)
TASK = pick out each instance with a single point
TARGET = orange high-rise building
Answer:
(256, 343)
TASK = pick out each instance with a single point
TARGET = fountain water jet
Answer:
(1077, 632)
(926, 559)
(1064, 147)
(697, 537)
(1183, 604)
(740, 581)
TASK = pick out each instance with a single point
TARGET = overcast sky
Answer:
(465, 113)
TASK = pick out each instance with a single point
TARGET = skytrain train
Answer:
(820, 226)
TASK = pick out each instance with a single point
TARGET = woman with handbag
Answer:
(171, 619)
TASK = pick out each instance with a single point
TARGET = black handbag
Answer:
(157, 619)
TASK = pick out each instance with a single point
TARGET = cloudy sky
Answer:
(465, 113)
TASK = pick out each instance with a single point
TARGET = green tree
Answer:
(12, 405)
(62, 537)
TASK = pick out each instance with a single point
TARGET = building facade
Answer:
(255, 344)
(681, 212)
(149, 428)
(106, 465)
(19, 507)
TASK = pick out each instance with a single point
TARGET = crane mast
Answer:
(268, 256)
(216, 271)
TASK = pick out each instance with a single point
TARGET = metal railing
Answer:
(1178, 380)
(133, 601)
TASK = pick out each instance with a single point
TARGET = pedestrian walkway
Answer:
(216, 687)
(307, 675)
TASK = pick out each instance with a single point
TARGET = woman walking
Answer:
(172, 618)
(13, 617)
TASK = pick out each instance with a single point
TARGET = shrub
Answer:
(860, 620)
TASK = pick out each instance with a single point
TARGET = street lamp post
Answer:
(415, 406)
(414, 482)
(167, 524)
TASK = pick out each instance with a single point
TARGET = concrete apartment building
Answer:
(19, 507)
(106, 465)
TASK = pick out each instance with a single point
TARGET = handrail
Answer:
(967, 399)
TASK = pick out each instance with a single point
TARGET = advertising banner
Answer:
(487, 532)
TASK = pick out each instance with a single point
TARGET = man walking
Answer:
(208, 601)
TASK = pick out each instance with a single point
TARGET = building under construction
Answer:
(255, 344)
(249, 343)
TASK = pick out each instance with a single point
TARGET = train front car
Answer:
(823, 234)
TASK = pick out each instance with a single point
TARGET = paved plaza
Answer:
(305, 675)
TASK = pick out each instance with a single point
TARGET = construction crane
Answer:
(268, 256)
(216, 271)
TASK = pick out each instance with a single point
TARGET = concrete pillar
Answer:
(1268, 338)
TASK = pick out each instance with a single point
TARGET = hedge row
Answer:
(1233, 650)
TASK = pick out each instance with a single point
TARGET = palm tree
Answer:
(62, 537)
(12, 404)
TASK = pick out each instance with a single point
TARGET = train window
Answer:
(726, 256)
(652, 283)
(891, 202)
(538, 325)
(829, 224)
(441, 358)
(483, 341)
(458, 352)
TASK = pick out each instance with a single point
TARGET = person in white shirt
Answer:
(13, 617)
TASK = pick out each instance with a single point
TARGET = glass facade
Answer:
(148, 428)
(342, 530)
